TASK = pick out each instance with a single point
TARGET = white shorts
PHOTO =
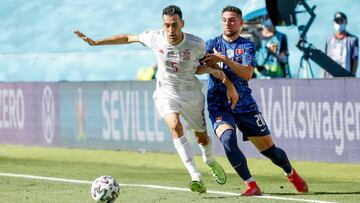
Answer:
(189, 105)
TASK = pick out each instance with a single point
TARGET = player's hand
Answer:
(202, 69)
(214, 58)
(88, 40)
(232, 96)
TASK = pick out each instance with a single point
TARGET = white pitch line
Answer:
(156, 187)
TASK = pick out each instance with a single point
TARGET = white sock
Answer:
(249, 180)
(207, 152)
(289, 174)
(184, 150)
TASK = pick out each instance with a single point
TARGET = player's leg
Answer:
(182, 145)
(223, 123)
(256, 130)
(265, 146)
(237, 159)
(278, 156)
(184, 150)
(205, 145)
(193, 112)
(168, 109)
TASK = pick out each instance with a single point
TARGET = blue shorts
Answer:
(251, 124)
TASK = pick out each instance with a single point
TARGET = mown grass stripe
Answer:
(156, 187)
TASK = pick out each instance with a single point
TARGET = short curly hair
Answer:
(232, 9)
(172, 10)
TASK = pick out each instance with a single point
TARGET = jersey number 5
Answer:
(174, 66)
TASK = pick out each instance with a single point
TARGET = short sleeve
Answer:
(249, 55)
(209, 46)
(146, 38)
(202, 51)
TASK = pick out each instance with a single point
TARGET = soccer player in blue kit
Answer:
(236, 57)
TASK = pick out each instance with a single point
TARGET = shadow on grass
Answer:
(312, 193)
(220, 197)
(224, 198)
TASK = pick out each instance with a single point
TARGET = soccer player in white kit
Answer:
(178, 91)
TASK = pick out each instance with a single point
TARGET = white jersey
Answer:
(177, 88)
(176, 64)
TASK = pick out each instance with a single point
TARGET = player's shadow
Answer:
(223, 198)
(312, 193)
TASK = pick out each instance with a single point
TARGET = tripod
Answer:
(305, 67)
(314, 54)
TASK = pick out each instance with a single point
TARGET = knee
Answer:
(202, 138)
(229, 140)
(226, 136)
(220, 130)
(175, 127)
(178, 129)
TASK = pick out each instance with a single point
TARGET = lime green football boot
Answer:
(197, 186)
(217, 172)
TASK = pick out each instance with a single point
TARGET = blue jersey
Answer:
(242, 51)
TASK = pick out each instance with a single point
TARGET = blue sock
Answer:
(234, 155)
(278, 157)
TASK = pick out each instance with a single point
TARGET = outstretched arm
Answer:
(117, 39)
(232, 95)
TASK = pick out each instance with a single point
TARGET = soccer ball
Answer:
(105, 189)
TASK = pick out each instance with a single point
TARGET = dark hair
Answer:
(232, 9)
(172, 10)
(340, 15)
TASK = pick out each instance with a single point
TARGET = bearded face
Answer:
(231, 23)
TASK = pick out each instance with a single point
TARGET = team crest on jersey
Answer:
(161, 51)
(230, 53)
(239, 51)
(218, 118)
(186, 55)
(173, 55)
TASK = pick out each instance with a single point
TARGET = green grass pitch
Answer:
(328, 182)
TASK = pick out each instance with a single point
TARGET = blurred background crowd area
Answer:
(38, 44)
